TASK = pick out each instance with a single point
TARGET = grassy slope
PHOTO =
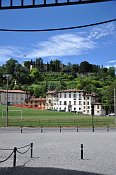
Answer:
(36, 118)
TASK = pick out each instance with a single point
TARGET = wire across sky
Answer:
(56, 29)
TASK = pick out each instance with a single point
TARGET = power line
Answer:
(56, 29)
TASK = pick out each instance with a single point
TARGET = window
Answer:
(79, 102)
(88, 103)
(69, 95)
(97, 106)
(87, 98)
(84, 103)
(79, 96)
(74, 96)
(74, 109)
(88, 107)
(84, 98)
(60, 95)
(65, 95)
(79, 108)
(64, 102)
(88, 111)
(74, 102)
(69, 102)
(84, 107)
(60, 102)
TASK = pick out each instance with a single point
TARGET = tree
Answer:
(39, 63)
(10, 66)
(111, 72)
(35, 74)
(84, 67)
(27, 64)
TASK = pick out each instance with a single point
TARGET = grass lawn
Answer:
(48, 118)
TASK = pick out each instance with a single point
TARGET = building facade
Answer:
(14, 97)
(36, 103)
(51, 100)
(72, 100)
(99, 110)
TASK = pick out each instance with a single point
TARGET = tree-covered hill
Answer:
(37, 77)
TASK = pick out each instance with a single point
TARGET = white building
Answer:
(51, 100)
(98, 109)
(73, 100)
(70, 100)
(88, 100)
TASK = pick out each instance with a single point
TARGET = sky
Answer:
(96, 44)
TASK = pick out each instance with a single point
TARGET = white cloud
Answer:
(68, 44)
(108, 66)
(72, 44)
(102, 31)
(112, 61)
(7, 52)
(62, 45)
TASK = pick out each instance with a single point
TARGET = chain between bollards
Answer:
(14, 160)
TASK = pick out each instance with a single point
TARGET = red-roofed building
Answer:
(14, 97)
(35, 103)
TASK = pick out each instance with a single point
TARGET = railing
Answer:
(12, 4)
(17, 150)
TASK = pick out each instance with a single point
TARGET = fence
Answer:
(17, 150)
(59, 129)
(80, 122)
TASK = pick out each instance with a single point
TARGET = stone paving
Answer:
(60, 153)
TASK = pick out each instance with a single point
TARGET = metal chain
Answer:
(24, 151)
(7, 157)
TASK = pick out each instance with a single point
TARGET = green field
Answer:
(48, 118)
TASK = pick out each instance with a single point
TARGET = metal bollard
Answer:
(82, 151)
(108, 129)
(14, 160)
(77, 129)
(60, 129)
(31, 150)
(21, 129)
(41, 129)
(93, 129)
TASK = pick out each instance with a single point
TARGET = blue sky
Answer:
(97, 44)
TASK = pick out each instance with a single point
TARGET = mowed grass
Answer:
(48, 118)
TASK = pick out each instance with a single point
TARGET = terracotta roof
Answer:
(50, 92)
(71, 90)
(36, 99)
(92, 94)
(14, 91)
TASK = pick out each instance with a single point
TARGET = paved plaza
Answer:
(60, 153)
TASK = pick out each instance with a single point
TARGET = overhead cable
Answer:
(56, 29)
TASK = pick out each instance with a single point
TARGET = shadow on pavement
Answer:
(41, 171)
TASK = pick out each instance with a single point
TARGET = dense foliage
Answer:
(37, 77)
